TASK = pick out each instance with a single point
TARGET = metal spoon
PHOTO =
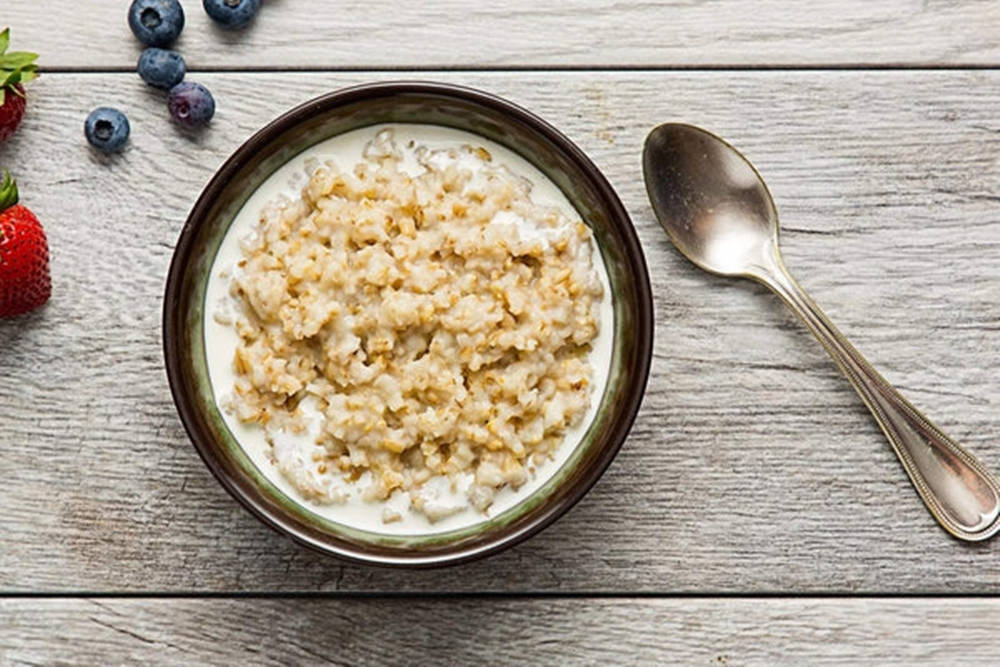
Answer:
(718, 212)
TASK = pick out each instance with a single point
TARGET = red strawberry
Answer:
(16, 67)
(12, 112)
(24, 255)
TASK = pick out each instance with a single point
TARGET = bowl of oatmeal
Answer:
(408, 324)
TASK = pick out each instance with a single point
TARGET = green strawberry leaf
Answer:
(16, 67)
(15, 78)
(17, 59)
(10, 77)
(3, 95)
(8, 191)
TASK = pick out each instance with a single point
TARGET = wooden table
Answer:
(756, 514)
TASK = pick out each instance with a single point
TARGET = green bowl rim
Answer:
(579, 483)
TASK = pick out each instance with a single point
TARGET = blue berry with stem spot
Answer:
(156, 22)
(107, 129)
(191, 104)
(161, 68)
(232, 14)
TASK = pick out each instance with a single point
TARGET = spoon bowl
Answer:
(717, 209)
(719, 213)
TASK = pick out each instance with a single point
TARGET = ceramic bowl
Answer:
(403, 102)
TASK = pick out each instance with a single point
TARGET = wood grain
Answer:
(525, 33)
(752, 467)
(499, 631)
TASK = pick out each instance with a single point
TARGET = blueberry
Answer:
(232, 14)
(107, 129)
(191, 104)
(156, 22)
(161, 68)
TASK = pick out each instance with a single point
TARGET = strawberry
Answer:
(16, 68)
(24, 255)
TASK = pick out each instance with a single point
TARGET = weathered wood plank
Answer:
(752, 466)
(455, 33)
(499, 631)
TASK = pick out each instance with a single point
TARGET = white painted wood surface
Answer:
(752, 467)
(701, 631)
(527, 33)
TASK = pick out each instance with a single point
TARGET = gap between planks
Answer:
(431, 69)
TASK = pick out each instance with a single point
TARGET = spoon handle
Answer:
(956, 488)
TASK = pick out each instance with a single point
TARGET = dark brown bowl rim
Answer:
(617, 216)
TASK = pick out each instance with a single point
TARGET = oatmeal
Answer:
(414, 326)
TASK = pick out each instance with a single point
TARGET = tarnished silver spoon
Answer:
(718, 212)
